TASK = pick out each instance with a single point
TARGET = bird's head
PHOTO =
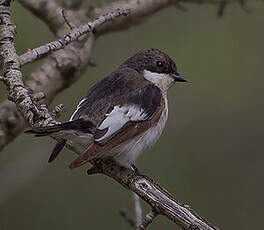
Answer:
(155, 66)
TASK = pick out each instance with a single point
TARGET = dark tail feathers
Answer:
(81, 125)
(56, 150)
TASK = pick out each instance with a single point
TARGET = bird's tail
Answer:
(77, 125)
(56, 150)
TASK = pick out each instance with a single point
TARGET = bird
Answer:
(122, 115)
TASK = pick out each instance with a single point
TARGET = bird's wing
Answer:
(141, 111)
(107, 93)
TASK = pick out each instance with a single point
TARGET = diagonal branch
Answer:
(157, 197)
(76, 33)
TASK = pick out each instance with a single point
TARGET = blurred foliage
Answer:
(210, 155)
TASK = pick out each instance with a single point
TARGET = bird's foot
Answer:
(135, 169)
(137, 172)
(96, 168)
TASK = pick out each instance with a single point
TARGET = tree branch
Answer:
(76, 33)
(157, 197)
(12, 74)
(128, 219)
(137, 220)
(148, 220)
(137, 209)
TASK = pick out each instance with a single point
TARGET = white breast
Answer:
(127, 153)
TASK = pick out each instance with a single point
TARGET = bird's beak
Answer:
(179, 78)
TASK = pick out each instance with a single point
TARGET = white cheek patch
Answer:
(153, 77)
(78, 107)
(161, 80)
(118, 117)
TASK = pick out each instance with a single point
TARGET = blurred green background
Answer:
(210, 155)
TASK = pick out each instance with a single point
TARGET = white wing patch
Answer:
(78, 107)
(118, 117)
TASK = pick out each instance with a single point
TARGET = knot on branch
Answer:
(95, 169)
(68, 64)
(142, 183)
(57, 111)
(38, 96)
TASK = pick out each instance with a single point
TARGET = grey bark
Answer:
(161, 202)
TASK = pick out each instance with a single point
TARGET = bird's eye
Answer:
(159, 63)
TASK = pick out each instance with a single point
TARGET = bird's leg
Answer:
(98, 163)
(135, 169)
(137, 172)
(96, 168)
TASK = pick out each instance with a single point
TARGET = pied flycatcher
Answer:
(122, 115)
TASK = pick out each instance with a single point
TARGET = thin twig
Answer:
(73, 35)
(221, 8)
(38, 96)
(148, 220)
(66, 20)
(57, 111)
(137, 209)
(244, 6)
(127, 218)
(137, 220)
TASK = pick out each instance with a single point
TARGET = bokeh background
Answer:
(210, 155)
